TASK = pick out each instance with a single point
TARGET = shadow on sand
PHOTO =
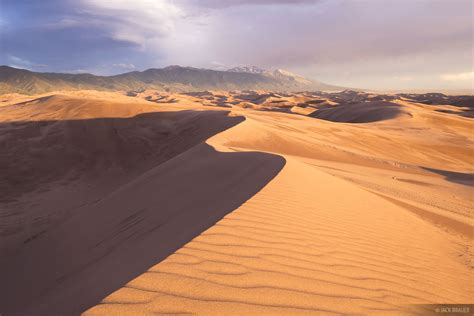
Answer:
(104, 245)
(456, 177)
(362, 112)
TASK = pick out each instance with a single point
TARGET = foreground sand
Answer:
(324, 217)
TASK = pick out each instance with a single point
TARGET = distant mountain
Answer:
(172, 78)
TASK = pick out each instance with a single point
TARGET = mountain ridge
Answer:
(172, 78)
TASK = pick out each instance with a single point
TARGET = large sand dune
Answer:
(330, 205)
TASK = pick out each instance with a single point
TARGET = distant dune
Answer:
(244, 202)
(364, 112)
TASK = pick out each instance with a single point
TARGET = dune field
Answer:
(245, 202)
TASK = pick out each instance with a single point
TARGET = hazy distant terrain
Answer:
(172, 78)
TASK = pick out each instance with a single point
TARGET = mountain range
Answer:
(171, 78)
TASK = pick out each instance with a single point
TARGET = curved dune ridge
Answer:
(238, 209)
(281, 253)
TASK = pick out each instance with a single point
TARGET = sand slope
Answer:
(339, 230)
(137, 222)
(284, 253)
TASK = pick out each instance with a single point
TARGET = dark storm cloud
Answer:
(61, 35)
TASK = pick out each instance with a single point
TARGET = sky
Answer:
(372, 44)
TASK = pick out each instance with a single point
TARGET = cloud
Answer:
(216, 65)
(16, 59)
(76, 71)
(124, 66)
(463, 76)
(18, 62)
(340, 31)
(403, 78)
(139, 22)
(219, 4)
(88, 34)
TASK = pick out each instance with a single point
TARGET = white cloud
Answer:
(77, 71)
(18, 62)
(463, 76)
(124, 66)
(139, 22)
(403, 78)
(220, 4)
(18, 66)
(218, 65)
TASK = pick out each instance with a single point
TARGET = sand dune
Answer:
(364, 112)
(312, 243)
(159, 208)
(75, 151)
(363, 208)
(284, 253)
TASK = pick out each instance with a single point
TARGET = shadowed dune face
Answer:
(46, 151)
(74, 151)
(364, 112)
(107, 242)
